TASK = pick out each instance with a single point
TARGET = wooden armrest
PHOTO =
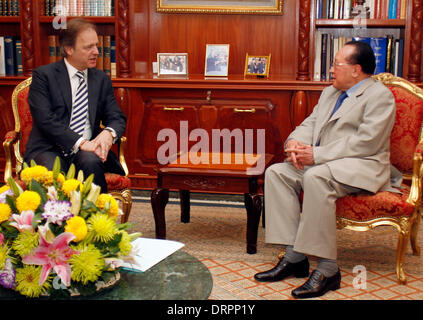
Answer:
(121, 154)
(10, 138)
(416, 180)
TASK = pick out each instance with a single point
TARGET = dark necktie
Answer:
(341, 98)
(80, 106)
(338, 103)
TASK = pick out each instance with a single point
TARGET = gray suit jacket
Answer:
(354, 143)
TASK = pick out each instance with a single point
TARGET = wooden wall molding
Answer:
(416, 41)
(303, 72)
(28, 47)
(123, 48)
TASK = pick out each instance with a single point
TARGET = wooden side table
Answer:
(217, 178)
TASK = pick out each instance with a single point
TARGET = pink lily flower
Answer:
(1, 239)
(53, 256)
(23, 221)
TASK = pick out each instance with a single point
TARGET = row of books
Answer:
(345, 9)
(106, 59)
(389, 53)
(79, 7)
(10, 56)
(9, 7)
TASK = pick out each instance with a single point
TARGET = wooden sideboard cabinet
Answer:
(231, 125)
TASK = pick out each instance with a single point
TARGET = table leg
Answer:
(185, 205)
(159, 199)
(253, 206)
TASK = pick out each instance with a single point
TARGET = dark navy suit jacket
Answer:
(50, 101)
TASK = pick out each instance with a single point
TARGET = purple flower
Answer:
(7, 275)
(8, 192)
(57, 211)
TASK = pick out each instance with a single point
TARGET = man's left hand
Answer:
(103, 142)
(303, 154)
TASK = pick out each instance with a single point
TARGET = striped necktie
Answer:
(80, 106)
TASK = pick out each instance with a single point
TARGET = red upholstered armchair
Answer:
(15, 142)
(402, 211)
(363, 212)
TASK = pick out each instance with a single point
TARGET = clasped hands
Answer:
(100, 145)
(299, 154)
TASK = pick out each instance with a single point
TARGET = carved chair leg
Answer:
(126, 205)
(125, 197)
(413, 234)
(403, 237)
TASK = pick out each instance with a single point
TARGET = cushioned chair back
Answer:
(22, 114)
(408, 120)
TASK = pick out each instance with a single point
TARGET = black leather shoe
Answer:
(317, 285)
(283, 270)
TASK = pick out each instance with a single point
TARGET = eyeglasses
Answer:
(339, 64)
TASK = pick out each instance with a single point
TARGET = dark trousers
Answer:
(86, 161)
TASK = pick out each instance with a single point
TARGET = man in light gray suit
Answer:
(341, 148)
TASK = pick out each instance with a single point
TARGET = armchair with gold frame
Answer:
(363, 212)
(15, 142)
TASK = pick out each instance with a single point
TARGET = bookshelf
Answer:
(391, 34)
(33, 27)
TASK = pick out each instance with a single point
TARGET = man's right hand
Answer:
(292, 145)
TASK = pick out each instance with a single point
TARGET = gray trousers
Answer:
(313, 231)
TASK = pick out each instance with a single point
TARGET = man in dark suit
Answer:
(68, 101)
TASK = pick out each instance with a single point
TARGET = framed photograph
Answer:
(221, 6)
(257, 65)
(217, 60)
(173, 64)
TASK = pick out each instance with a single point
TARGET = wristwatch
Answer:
(112, 132)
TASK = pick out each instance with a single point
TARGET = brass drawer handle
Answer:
(173, 108)
(252, 110)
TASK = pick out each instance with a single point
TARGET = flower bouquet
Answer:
(59, 235)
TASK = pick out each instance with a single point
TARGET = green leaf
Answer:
(17, 190)
(106, 276)
(11, 201)
(25, 165)
(36, 220)
(56, 229)
(37, 187)
(33, 163)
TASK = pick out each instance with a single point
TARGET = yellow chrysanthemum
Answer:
(103, 199)
(49, 178)
(87, 265)
(71, 185)
(60, 178)
(25, 242)
(27, 281)
(125, 245)
(5, 212)
(38, 173)
(4, 188)
(102, 226)
(28, 200)
(4, 254)
(78, 227)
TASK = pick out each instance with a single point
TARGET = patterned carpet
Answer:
(216, 236)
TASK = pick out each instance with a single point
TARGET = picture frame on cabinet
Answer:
(257, 65)
(172, 64)
(221, 6)
(217, 60)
